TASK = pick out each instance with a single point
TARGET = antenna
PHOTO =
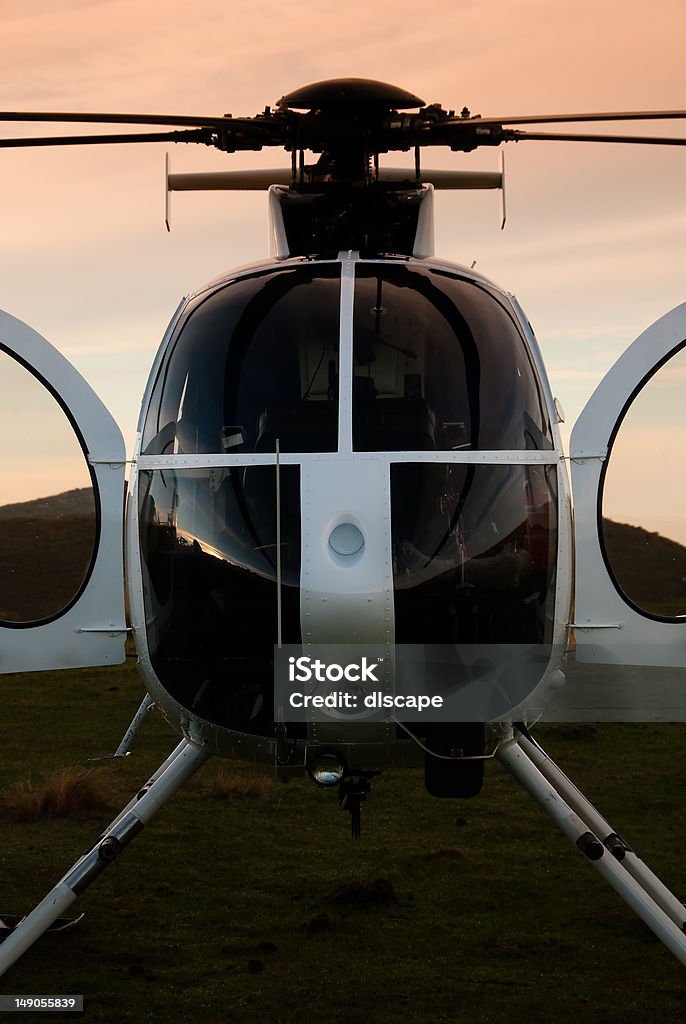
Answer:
(278, 545)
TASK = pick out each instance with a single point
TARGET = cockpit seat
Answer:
(309, 425)
(395, 424)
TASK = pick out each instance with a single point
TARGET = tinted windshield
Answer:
(440, 364)
(474, 553)
(254, 361)
(212, 587)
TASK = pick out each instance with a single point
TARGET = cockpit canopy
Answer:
(438, 364)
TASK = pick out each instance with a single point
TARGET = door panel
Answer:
(627, 461)
(61, 512)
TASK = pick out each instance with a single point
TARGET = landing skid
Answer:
(183, 762)
(8, 923)
(607, 852)
(523, 757)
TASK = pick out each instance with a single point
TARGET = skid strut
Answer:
(184, 761)
(614, 843)
(124, 748)
(581, 823)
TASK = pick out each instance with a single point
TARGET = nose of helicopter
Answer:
(340, 452)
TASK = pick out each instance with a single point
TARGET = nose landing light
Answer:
(346, 539)
(327, 769)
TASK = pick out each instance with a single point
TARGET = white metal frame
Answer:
(93, 629)
(608, 630)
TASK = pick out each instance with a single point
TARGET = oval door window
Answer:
(644, 495)
(48, 522)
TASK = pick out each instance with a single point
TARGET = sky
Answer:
(593, 246)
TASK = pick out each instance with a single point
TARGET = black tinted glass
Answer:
(208, 544)
(253, 363)
(474, 553)
(440, 364)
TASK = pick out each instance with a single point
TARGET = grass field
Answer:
(246, 900)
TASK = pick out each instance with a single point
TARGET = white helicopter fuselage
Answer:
(424, 501)
(423, 493)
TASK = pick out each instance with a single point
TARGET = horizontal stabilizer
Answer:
(217, 181)
(263, 178)
(445, 179)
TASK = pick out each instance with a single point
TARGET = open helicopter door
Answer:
(61, 537)
(627, 465)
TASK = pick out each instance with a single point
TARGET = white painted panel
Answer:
(92, 630)
(608, 629)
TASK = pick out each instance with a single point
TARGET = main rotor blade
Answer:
(227, 120)
(628, 115)
(99, 118)
(646, 140)
(203, 136)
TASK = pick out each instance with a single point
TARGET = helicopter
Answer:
(349, 540)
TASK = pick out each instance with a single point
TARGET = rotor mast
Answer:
(344, 122)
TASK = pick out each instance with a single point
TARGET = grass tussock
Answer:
(67, 791)
(444, 853)
(229, 786)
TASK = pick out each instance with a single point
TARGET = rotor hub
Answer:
(340, 95)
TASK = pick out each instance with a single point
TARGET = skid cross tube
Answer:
(185, 760)
(576, 828)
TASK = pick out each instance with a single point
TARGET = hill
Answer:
(75, 502)
(650, 569)
(46, 546)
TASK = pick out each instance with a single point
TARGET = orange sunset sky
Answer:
(593, 246)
